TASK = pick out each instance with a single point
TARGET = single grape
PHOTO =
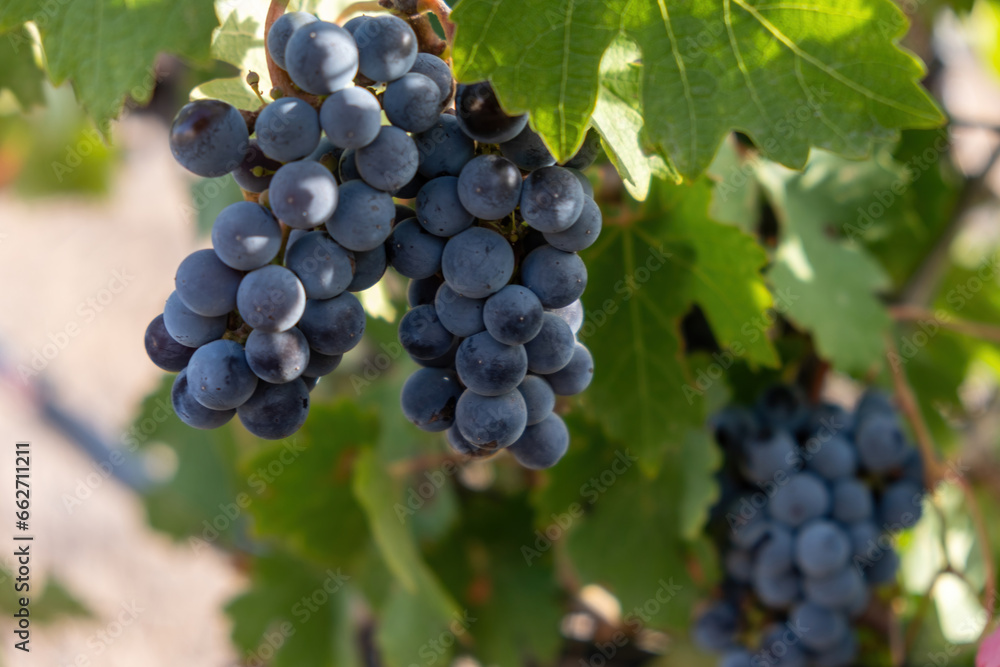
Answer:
(802, 497)
(437, 71)
(254, 173)
(571, 315)
(843, 654)
(363, 219)
(188, 327)
(489, 367)
(732, 427)
(349, 167)
(429, 398)
(736, 658)
(822, 548)
(439, 208)
(163, 350)
(321, 364)
(913, 468)
(552, 348)
(491, 422)
(219, 377)
(852, 500)
(777, 591)
(582, 233)
(551, 199)
(351, 117)
(901, 505)
(303, 194)
(481, 116)
(459, 314)
(477, 262)
(575, 376)
(588, 189)
(321, 58)
(776, 552)
(209, 138)
(390, 161)
(542, 444)
(333, 326)
(322, 265)
(539, 399)
(748, 532)
(588, 152)
(739, 565)
(527, 151)
(715, 628)
(421, 334)
(489, 187)
(276, 411)
(446, 360)
(820, 629)
(206, 285)
(355, 23)
(513, 315)
(767, 454)
(840, 590)
(883, 570)
(281, 31)
(881, 444)
(873, 402)
(412, 102)
(414, 252)
(444, 149)
(421, 292)
(271, 299)
(557, 278)
(246, 236)
(190, 411)
(277, 357)
(369, 267)
(387, 47)
(288, 129)
(833, 459)
(463, 447)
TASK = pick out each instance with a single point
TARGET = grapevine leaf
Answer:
(300, 488)
(107, 48)
(701, 458)
(791, 76)
(645, 272)
(22, 76)
(826, 286)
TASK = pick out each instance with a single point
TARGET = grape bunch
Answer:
(489, 244)
(811, 498)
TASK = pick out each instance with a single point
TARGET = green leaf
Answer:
(826, 286)
(21, 74)
(647, 269)
(302, 486)
(791, 76)
(107, 47)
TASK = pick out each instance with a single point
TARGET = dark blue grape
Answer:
(881, 444)
(802, 497)
(348, 167)
(557, 278)
(843, 654)
(429, 398)
(776, 552)
(333, 326)
(571, 315)
(276, 411)
(835, 458)
(412, 102)
(527, 151)
(439, 208)
(351, 117)
(163, 350)
(254, 173)
(852, 500)
(421, 292)
(369, 267)
(588, 189)
(901, 505)
(412, 251)
(715, 628)
(444, 149)
(303, 195)
(736, 658)
(437, 71)
(390, 161)
(551, 199)
(574, 377)
(190, 411)
(205, 285)
(188, 327)
(387, 47)
(421, 334)
(542, 444)
(246, 236)
(748, 532)
(271, 299)
(539, 398)
(883, 569)
(513, 315)
(209, 138)
(766, 455)
(281, 31)
(821, 548)
(841, 590)
(489, 187)
(582, 233)
(481, 116)
(288, 129)
(821, 629)
(324, 268)
(321, 58)
(873, 402)
(588, 152)
(459, 314)
(477, 262)
(277, 357)
(739, 565)
(488, 367)
(446, 360)
(363, 219)
(321, 364)
(463, 447)
(219, 377)
(491, 422)
(776, 591)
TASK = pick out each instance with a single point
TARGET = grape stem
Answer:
(413, 11)
(979, 330)
(279, 77)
